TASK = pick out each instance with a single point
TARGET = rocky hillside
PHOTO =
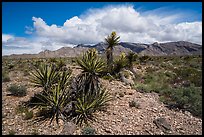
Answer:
(151, 117)
(155, 49)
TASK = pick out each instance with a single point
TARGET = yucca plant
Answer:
(91, 63)
(92, 67)
(54, 101)
(89, 97)
(119, 63)
(87, 104)
(44, 76)
(131, 57)
(112, 40)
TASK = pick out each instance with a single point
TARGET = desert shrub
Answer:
(11, 66)
(17, 90)
(88, 131)
(107, 77)
(28, 115)
(184, 98)
(126, 74)
(12, 132)
(52, 60)
(150, 69)
(143, 59)
(141, 89)
(134, 103)
(191, 74)
(22, 109)
(189, 98)
(5, 77)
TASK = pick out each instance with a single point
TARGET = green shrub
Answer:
(17, 90)
(107, 77)
(11, 66)
(5, 77)
(143, 59)
(21, 109)
(88, 131)
(28, 115)
(126, 74)
(12, 132)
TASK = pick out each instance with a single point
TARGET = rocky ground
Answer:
(118, 119)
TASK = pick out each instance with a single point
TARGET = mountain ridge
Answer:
(154, 49)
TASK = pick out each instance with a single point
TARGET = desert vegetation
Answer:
(69, 97)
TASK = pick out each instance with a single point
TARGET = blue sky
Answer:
(24, 22)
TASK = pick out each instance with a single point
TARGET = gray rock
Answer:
(162, 124)
(68, 129)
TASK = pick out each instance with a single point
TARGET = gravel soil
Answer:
(118, 119)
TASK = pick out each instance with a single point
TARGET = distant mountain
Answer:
(155, 49)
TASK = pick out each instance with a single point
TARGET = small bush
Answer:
(126, 74)
(12, 132)
(106, 77)
(133, 103)
(17, 90)
(10, 66)
(5, 78)
(28, 115)
(88, 131)
(141, 89)
(21, 109)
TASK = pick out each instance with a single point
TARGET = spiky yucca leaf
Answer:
(119, 63)
(131, 57)
(44, 76)
(91, 63)
(86, 105)
(112, 40)
(55, 101)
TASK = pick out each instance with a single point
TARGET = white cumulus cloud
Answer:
(159, 25)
